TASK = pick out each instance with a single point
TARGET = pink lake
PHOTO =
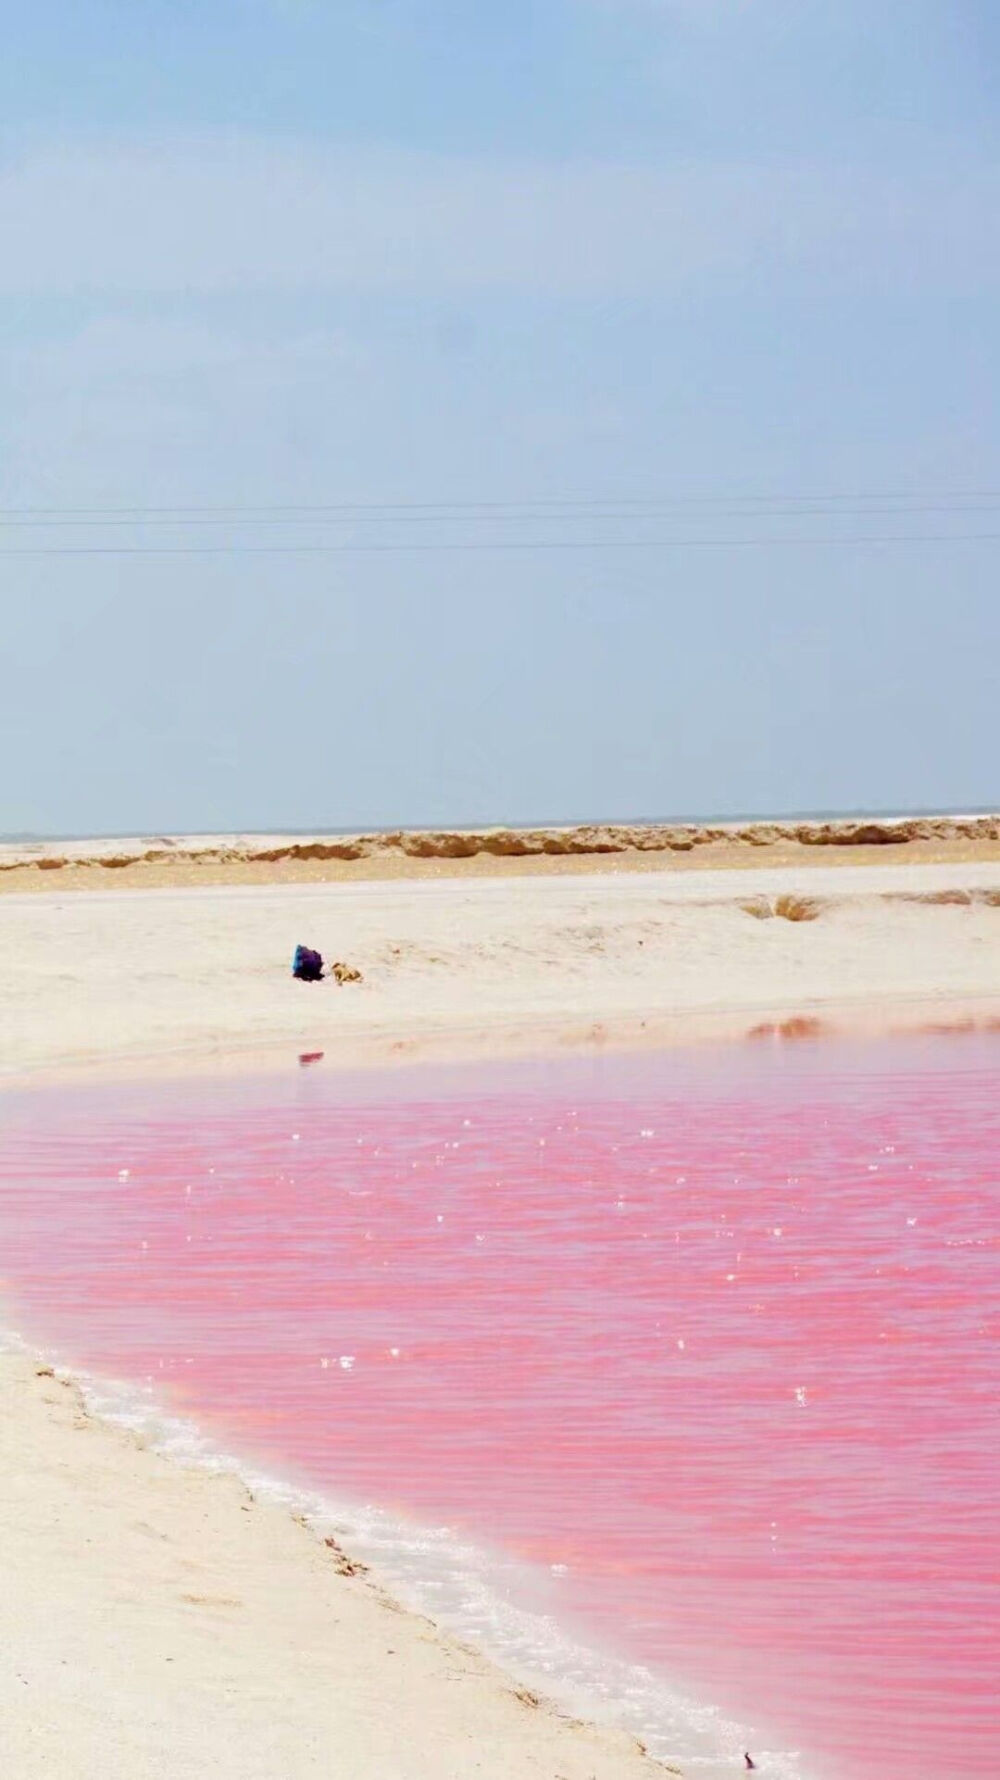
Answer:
(671, 1377)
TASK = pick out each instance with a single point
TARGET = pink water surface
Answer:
(717, 1336)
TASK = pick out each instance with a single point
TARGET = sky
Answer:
(423, 413)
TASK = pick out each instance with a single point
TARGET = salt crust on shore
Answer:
(159, 1624)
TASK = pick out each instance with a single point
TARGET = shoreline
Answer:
(378, 1055)
(247, 1641)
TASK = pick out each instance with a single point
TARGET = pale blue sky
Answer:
(703, 259)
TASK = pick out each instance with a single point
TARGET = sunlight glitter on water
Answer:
(702, 1350)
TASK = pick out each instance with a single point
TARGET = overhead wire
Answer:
(706, 512)
(913, 501)
(312, 517)
(498, 544)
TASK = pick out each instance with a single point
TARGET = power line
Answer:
(924, 501)
(503, 544)
(528, 515)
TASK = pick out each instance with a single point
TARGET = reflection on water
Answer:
(708, 1342)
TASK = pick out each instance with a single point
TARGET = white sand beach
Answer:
(485, 965)
(158, 1621)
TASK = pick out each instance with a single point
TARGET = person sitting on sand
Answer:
(307, 965)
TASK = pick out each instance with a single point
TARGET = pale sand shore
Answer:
(158, 1622)
(456, 966)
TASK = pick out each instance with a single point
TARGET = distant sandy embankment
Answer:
(164, 860)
